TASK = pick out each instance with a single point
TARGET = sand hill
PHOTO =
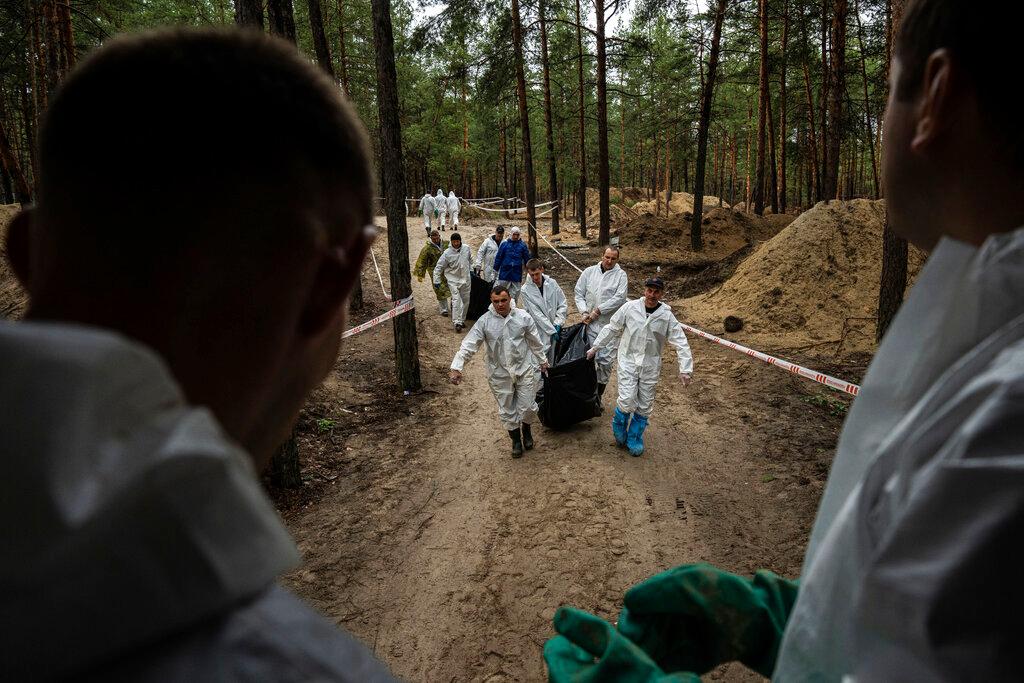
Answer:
(13, 299)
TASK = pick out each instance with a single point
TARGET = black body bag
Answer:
(569, 391)
(479, 296)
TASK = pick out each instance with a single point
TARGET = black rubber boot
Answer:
(527, 437)
(517, 443)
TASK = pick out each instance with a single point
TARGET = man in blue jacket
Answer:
(510, 262)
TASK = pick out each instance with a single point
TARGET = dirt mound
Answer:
(621, 201)
(13, 299)
(681, 202)
(814, 285)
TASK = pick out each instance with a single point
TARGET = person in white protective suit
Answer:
(484, 263)
(640, 329)
(147, 386)
(600, 291)
(453, 209)
(441, 207)
(455, 264)
(912, 572)
(515, 353)
(544, 299)
(427, 209)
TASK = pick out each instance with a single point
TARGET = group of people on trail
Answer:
(158, 368)
(438, 208)
(520, 345)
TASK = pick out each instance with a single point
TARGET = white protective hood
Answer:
(129, 514)
(548, 308)
(454, 264)
(605, 290)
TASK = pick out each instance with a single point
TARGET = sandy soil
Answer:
(426, 540)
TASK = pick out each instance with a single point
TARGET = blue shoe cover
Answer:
(619, 423)
(635, 436)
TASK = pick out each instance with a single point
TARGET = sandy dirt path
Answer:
(427, 541)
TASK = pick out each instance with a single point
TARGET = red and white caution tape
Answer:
(517, 210)
(403, 306)
(813, 375)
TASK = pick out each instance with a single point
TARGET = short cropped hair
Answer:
(983, 43)
(613, 248)
(534, 264)
(499, 289)
(155, 133)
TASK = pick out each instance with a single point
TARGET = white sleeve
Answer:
(470, 345)
(534, 342)
(479, 260)
(618, 298)
(439, 268)
(677, 338)
(580, 293)
(611, 332)
(562, 307)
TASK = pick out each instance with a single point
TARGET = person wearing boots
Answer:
(484, 263)
(425, 263)
(544, 300)
(514, 354)
(600, 291)
(453, 267)
(641, 328)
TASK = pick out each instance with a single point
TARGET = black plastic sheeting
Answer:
(479, 296)
(569, 392)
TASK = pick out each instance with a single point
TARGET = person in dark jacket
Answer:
(510, 262)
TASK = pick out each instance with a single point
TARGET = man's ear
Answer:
(940, 92)
(18, 245)
(335, 278)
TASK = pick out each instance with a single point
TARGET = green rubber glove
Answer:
(590, 649)
(696, 616)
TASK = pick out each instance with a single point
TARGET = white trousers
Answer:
(442, 306)
(636, 388)
(443, 217)
(605, 358)
(426, 221)
(516, 397)
(460, 300)
(455, 220)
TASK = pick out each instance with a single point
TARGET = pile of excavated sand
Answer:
(13, 299)
(724, 231)
(813, 286)
(681, 202)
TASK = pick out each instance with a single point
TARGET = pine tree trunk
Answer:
(581, 210)
(285, 470)
(774, 196)
(867, 103)
(524, 125)
(837, 92)
(407, 359)
(342, 51)
(9, 159)
(549, 134)
(249, 13)
(696, 240)
(762, 119)
(281, 19)
(602, 129)
(783, 122)
(316, 25)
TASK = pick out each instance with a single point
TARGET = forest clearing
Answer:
(731, 148)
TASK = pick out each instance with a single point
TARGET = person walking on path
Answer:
(640, 329)
(429, 255)
(453, 209)
(441, 207)
(515, 354)
(427, 209)
(912, 572)
(510, 262)
(544, 299)
(600, 291)
(484, 263)
(454, 267)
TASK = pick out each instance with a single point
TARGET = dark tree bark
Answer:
(22, 192)
(524, 127)
(837, 93)
(581, 209)
(867, 103)
(762, 120)
(249, 13)
(407, 358)
(316, 25)
(281, 16)
(285, 470)
(342, 51)
(774, 196)
(549, 135)
(696, 241)
(604, 200)
(783, 122)
(823, 100)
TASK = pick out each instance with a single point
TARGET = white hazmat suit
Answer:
(441, 207)
(605, 291)
(514, 353)
(912, 570)
(455, 265)
(485, 258)
(548, 308)
(453, 209)
(640, 338)
(140, 544)
(427, 209)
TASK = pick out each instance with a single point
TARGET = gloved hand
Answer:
(585, 638)
(696, 616)
(558, 330)
(437, 285)
(685, 378)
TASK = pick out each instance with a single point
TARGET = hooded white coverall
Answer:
(548, 309)
(605, 291)
(485, 259)
(139, 543)
(441, 206)
(641, 338)
(913, 572)
(455, 265)
(453, 209)
(514, 352)
(427, 209)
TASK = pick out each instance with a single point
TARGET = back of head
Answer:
(166, 143)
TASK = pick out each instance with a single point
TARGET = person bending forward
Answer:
(642, 327)
(514, 354)
(600, 291)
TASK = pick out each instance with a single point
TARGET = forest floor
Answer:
(425, 539)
